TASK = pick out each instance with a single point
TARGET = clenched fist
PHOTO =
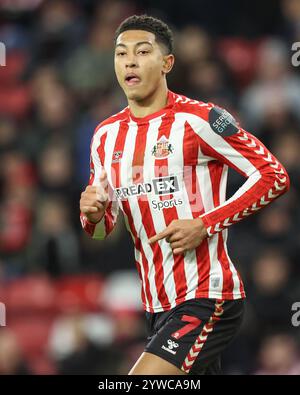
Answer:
(94, 200)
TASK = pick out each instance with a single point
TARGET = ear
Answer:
(168, 62)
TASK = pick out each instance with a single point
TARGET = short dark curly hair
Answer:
(160, 29)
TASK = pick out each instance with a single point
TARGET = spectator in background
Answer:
(291, 14)
(12, 361)
(18, 189)
(275, 86)
(287, 145)
(58, 30)
(208, 81)
(88, 70)
(279, 355)
(269, 310)
(269, 295)
(49, 106)
(83, 344)
(114, 11)
(55, 169)
(205, 75)
(54, 118)
(99, 108)
(8, 135)
(194, 45)
(105, 257)
(275, 226)
(81, 70)
(54, 245)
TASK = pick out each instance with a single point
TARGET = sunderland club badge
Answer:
(162, 148)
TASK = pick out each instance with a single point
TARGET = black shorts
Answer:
(193, 334)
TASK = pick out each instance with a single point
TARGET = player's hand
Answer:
(94, 200)
(183, 234)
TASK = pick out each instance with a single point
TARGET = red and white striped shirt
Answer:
(173, 164)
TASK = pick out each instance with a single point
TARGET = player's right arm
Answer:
(98, 214)
(94, 200)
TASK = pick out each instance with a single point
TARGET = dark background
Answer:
(72, 303)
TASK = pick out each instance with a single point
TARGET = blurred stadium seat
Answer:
(32, 333)
(81, 292)
(240, 56)
(57, 85)
(30, 294)
(15, 97)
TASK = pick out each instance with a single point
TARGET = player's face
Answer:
(140, 63)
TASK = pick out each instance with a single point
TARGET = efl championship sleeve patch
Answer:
(222, 122)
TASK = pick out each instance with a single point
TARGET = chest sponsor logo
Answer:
(162, 149)
(161, 204)
(159, 186)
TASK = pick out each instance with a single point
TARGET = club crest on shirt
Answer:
(162, 148)
(117, 156)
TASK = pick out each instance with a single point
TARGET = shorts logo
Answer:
(162, 148)
(171, 345)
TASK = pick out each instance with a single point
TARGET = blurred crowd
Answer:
(73, 303)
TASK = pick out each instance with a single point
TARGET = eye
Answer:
(121, 53)
(143, 51)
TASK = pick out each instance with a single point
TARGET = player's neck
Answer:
(151, 104)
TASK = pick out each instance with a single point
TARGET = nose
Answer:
(130, 65)
(131, 61)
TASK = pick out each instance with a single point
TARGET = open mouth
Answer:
(132, 79)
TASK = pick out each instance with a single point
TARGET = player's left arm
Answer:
(223, 139)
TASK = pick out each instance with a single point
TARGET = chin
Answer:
(135, 94)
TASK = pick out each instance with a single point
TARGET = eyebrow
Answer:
(136, 45)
